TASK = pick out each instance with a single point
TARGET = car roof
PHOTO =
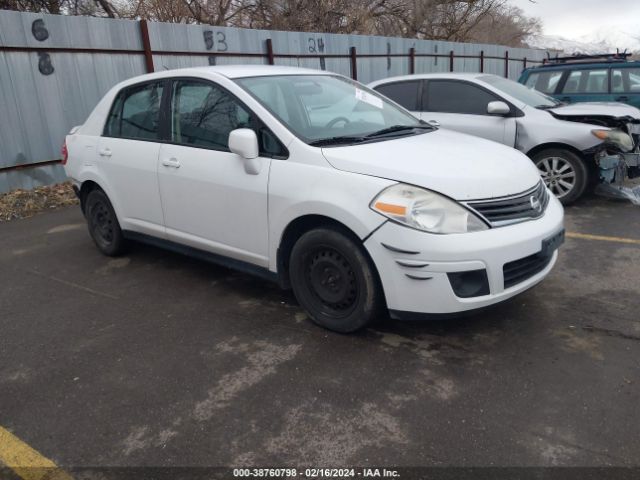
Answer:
(228, 71)
(580, 65)
(439, 76)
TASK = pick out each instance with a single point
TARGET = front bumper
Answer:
(414, 271)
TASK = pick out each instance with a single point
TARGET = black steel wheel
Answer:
(103, 224)
(334, 280)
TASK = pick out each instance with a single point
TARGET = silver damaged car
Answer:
(575, 147)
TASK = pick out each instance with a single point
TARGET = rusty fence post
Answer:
(412, 60)
(354, 63)
(270, 56)
(146, 45)
(506, 64)
(451, 57)
(481, 61)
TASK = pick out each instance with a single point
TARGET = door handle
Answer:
(171, 162)
(104, 152)
(435, 123)
(622, 99)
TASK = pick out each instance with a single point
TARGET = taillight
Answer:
(65, 153)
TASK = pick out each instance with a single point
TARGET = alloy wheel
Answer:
(558, 175)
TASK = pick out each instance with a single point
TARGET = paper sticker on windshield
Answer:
(368, 98)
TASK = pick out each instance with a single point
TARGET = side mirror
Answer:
(498, 108)
(244, 142)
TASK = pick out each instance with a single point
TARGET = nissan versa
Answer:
(315, 181)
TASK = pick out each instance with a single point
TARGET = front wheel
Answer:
(334, 280)
(563, 172)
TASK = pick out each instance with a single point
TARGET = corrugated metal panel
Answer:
(44, 93)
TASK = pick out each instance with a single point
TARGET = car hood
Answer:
(460, 166)
(600, 109)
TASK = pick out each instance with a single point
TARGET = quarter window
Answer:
(403, 93)
(587, 81)
(457, 97)
(136, 113)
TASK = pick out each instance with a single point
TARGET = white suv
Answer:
(315, 181)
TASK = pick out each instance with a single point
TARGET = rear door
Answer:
(128, 157)
(210, 202)
(586, 85)
(625, 85)
(405, 93)
(462, 106)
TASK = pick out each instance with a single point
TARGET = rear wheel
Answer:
(563, 172)
(334, 280)
(103, 224)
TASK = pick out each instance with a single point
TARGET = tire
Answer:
(563, 172)
(335, 281)
(103, 224)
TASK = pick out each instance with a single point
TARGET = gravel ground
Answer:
(26, 203)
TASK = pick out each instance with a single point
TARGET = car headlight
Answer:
(425, 210)
(616, 137)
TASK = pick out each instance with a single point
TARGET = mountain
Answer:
(599, 41)
(615, 37)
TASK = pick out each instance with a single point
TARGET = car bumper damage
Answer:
(617, 165)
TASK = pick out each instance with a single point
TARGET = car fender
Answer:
(322, 191)
(533, 131)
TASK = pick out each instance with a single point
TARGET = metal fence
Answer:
(54, 69)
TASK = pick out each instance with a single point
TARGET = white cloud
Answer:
(578, 18)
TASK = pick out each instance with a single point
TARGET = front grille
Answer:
(513, 209)
(520, 270)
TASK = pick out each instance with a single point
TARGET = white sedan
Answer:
(313, 180)
(573, 146)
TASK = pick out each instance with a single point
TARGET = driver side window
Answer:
(446, 96)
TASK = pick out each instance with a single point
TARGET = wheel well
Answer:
(560, 146)
(592, 168)
(87, 187)
(294, 231)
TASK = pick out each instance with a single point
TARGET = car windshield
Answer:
(327, 109)
(518, 91)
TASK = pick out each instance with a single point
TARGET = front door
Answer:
(462, 106)
(209, 201)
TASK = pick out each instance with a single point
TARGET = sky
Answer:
(575, 18)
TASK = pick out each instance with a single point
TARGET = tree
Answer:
(487, 21)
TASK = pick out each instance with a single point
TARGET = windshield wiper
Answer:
(548, 107)
(399, 128)
(335, 141)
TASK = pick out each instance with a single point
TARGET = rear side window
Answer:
(625, 80)
(203, 115)
(136, 113)
(403, 93)
(545, 82)
(457, 97)
(587, 81)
